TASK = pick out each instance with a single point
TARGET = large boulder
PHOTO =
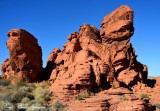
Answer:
(118, 25)
(25, 59)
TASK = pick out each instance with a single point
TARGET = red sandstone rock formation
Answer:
(99, 58)
(99, 61)
(25, 56)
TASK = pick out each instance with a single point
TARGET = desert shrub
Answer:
(43, 84)
(113, 86)
(36, 107)
(21, 82)
(7, 106)
(31, 85)
(59, 106)
(123, 97)
(41, 93)
(84, 95)
(158, 106)
(28, 94)
(11, 87)
(4, 82)
(30, 103)
(7, 98)
(144, 96)
(80, 97)
(1, 98)
(26, 89)
(16, 97)
(25, 100)
(40, 98)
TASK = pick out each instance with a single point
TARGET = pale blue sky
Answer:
(51, 21)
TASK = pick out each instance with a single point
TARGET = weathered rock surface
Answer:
(157, 83)
(119, 99)
(93, 58)
(25, 56)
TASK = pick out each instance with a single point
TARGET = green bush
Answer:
(21, 83)
(25, 100)
(59, 106)
(42, 84)
(30, 103)
(28, 94)
(123, 97)
(11, 87)
(7, 106)
(144, 96)
(16, 97)
(84, 95)
(41, 93)
(7, 98)
(40, 98)
(4, 82)
(113, 86)
(25, 89)
(158, 106)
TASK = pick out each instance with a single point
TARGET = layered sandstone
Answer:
(95, 58)
(119, 99)
(25, 56)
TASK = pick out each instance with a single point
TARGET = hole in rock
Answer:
(104, 83)
(18, 70)
(14, 34)
(127, 17)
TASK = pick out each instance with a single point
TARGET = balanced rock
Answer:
(25, 56)
(97, 58)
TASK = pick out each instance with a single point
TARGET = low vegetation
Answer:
(158, 106)
(144, 96)
(4, 82)
(113, 86)
(123, 97)
(85, 95)
(25, 96)
(58, 106)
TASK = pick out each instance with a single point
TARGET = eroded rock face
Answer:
(25, 56)
(157, 83)
(93, 58)
(119, 99)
